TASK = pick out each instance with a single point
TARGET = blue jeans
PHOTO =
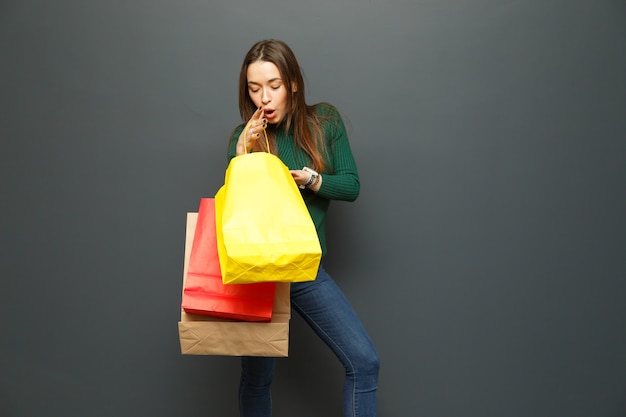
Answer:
(324, 307)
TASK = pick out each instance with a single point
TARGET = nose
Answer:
(265, 97)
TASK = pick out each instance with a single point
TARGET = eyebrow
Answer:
(269, 81)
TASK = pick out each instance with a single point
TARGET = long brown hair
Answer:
(307, 131)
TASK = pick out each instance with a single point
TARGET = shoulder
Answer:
(325, 110)
(238, 129)
(234, 134)
(328, 117)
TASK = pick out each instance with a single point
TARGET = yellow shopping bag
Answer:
(264, 230)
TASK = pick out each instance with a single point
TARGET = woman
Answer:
(312, 142)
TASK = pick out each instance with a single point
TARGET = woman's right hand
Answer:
(251, 132)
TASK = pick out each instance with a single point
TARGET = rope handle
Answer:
(245, 140)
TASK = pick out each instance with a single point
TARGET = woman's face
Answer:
(267, 90)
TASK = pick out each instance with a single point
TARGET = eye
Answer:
(276, 87)
(253, 90)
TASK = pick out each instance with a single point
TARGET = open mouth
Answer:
(269, 113)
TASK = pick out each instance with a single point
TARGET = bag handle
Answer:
(245, 140)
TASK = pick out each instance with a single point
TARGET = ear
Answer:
(294, 87)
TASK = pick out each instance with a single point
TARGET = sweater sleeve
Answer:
(340, 179)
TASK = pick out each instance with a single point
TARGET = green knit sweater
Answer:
(340, 178)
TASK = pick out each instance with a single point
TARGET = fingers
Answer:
(252, 131)
(256, 125)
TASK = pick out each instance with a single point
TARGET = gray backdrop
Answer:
(486, 254)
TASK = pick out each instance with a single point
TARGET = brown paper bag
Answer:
(205, 335)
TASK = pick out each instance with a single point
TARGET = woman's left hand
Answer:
(302, 177)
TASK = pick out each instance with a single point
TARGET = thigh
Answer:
(322, 304)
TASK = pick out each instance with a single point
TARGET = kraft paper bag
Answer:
(264, 229)
(205, 335)
(205, 293)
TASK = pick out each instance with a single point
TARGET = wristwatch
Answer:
(312, 180)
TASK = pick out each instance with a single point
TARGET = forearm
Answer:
(345, 187)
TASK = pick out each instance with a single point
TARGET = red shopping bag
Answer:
(205, 294)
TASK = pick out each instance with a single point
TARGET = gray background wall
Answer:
(485, 254)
